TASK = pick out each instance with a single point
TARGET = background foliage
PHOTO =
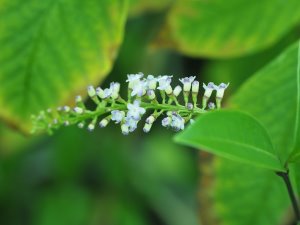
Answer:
(50, 52)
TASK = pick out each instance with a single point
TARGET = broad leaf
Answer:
(245, 195)
(210, 28)
(233, 135)
(52, 49)
(140, 6)
(270, 95)
(295, 155)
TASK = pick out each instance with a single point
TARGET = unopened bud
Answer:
(78, 110)
(150, 119)
(100, 92)
(91, 91)
(177, 90)
(189, 106)
(151, 94)
(147, 127)
(195, 86)
(125, 129)
(169, 90)
(104, 122)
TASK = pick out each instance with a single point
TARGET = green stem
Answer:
(286, 179)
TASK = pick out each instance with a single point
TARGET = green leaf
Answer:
(222, 29)
(233, 135)
(295, 155)
(269, 95)
(140, 6)
(51, 50)
(245, 195)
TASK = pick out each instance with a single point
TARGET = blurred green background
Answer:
(75, 177)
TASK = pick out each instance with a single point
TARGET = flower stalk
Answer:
(141, 98)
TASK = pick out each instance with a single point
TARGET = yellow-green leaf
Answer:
(52, 49)
(227, 28)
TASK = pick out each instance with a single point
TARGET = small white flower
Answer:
(151, 82)
(220, 89)
(195, 86)
(107, 92)
(66, 123)
(133, 78)
(78, 110)
(139, 88)
(164, 82)
(211, 105)
(117, 115)
(187, 83)
(177, 122)
(91, 91)
(177, 90)
(166, 121)
(134, 110)
(131, 123)
(208, 89)
(115, 89)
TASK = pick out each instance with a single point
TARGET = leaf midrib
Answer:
(36, 41)
(261, 150)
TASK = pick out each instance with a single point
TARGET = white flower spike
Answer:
(172, 104)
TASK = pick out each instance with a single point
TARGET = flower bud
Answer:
(147, 127)
(211, 105)
(168, 90)
(150, 119)
(115, 87)
(78, 110)
(66, 108)
(189, 106)
(103, 123)
(177, 91)
(81, 125)
(78, 99)
(125, 129)
(91, 127)
(100, 92)
(151, 94)
(91, 91)
(195, 86)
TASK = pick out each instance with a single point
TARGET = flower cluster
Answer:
(153, 94)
